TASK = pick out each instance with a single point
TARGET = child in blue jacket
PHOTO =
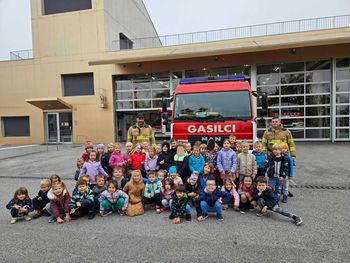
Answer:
(260, 158)
(196, 161)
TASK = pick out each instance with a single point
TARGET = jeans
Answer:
(155, 199)
(48, 209)
(187, 208)
(277, 209)
(15, 213)
(276, 185)
(217, 208)
(107, 205)
(166, 202)
(285, 186)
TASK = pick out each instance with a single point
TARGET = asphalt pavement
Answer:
(324, 236)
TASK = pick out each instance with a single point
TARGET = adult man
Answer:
(278, 134)
(141, 132)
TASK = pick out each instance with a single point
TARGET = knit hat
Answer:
(100, 145)
(172, 169)
(194, 177)
(89, 144)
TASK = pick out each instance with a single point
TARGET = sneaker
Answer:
(242, 212)
(13, 220)
(220, 217)
(297, 220)
(52, 219)
(285, 199)
(38, 213)
(259, 214)
(188, 217)
(27, 218)
(172, 216)
(91, 216)
(290, 194)
(105, 213)
(205, 216)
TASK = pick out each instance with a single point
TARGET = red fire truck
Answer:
(213, 108)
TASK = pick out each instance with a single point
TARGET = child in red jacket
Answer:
(137, 160)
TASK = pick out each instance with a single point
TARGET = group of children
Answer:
(172, 176)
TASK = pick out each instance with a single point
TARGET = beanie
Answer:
(172, 169)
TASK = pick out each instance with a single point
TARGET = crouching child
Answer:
(113, 199)
(179, 205)
(82, 202)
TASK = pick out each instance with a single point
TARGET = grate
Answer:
(326, 187)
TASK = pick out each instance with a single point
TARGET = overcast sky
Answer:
(180, 16)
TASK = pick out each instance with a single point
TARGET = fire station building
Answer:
(95, 64)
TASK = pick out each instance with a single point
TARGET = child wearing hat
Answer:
(88, 147)
(175, 176)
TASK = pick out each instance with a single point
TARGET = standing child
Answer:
(165, 159)
(92, 168)
(118, 158)
(238, 148)
(119, 177)
(152, 191)
(158, 149)
(151, 160)
(58, 207)
(289, 174)
(175, 176)
(135, 190)
(207, 155)
(129, 149)
(105, 159)
(145, 147)
(40, 201)
(89, 146)
(80, 163)
(246, 164)
(137, 160)
(226, 162)
(195, 161)
(113, 199)
(260, 158)
(233, 141)
(179, 205)
(208, 169)
(265, 200)
(230, 188)
(167, 192)
(20, 205)
(83, 201)
(245, 191)
(100, 152)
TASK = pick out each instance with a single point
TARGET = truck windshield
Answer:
(213, 105)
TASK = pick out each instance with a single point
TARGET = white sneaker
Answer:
(13, 220)
(27, 218)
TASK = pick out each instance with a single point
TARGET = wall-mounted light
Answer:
(293, 51)
(102, 94)
(139, 65)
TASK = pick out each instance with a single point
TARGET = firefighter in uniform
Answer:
(141, 132)
(278, 134)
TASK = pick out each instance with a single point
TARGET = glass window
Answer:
(265, 69)
(343, 62)
(295, 89)
(292, 122)
(342, 133)
(343, 110)
(273, 90)
(318, 76)
(125, 42)
(269, 79)
(319, 133)
(317, 65)
(124, 105)
(292, 78)
(343, 98)
(318, 122)
(292, 67)
(343, 86)
(317, 111)
(291, 101)
(272, 102)
(318, 88)
(62, 6)
(15, 126)
(318, 99)
(158, 103)
(145, 85)
(160, 93)
(124, 85)
(81, 84)
(142, 94)
(126, 95)
(343, 74)
(343, 121)
(297, 134)
(142, 104)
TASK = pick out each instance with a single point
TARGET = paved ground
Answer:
(325, 236)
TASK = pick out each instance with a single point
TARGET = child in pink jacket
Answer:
(118, 158)
(230, 187)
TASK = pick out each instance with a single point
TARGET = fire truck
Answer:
(213, 108)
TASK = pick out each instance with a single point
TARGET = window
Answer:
(54, 7)
(78, 84)
(125, 42)
(15, 126)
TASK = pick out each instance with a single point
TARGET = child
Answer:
(165, 159)
(89, 146)
(135, 190)
(210, 200)
(119, 177)
(92, 168)
(245, 191)
(98, 189)
(137, 160)
(151, 160)
(191, 187)
(266, 200)
(290, 172)
(230, 187)
(180, 160)
(277, 169)
(238, 148)
(208, 169)
(233, 142)
(100, 151)
(59, 203)
(118, 158)
(207, 155)
(20, 205)
(260, 158)
(158, 149)
(129, 149)
(83, 201)
(175, 176)
(161, 174)
(105, 159)
(246, 164)
(80, 163)
(145, 147)
(226, 162)
(55, 178)
(167, 192)
(195, 161)
(152, 191)
(179, 205)
(41, 200)
(112, 199)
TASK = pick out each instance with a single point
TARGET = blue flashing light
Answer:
(207, 79)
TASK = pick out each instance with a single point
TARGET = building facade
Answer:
(89, 78)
